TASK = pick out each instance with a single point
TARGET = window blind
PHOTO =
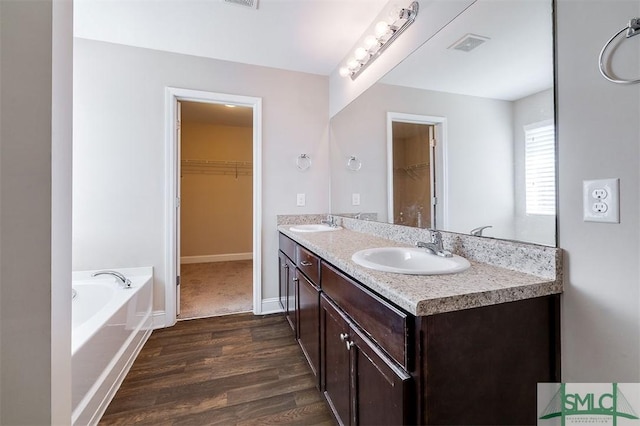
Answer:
(540, 169)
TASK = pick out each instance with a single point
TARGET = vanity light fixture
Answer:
(374, 45)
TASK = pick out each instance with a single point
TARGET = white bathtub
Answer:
(110, 325)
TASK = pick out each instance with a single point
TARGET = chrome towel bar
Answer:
(632, 28)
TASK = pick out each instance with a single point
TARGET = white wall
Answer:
(119, 122)
(598, 136)
(35, 59)
(539, 229)
(61, 159)
(25, 207)
(478, 164)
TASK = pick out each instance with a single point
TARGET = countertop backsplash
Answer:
(542, 261)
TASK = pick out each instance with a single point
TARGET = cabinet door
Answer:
(283, 277)
(292, 290)
(335, 368)
(380, 388)
(309, 323)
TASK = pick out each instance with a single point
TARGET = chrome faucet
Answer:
(477, 232)
(331, 221)
(435, 246)
(126, 282)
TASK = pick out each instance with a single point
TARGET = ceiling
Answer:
(309, 36)
(313, 36)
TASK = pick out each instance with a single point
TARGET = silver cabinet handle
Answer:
(344, 336)
(305, 263)
(350, 344)
(286, 266)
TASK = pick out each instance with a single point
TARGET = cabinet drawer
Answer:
(384, 323)
(309, 264)
(288, 246)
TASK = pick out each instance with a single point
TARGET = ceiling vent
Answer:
(469, 42)
(253, 4)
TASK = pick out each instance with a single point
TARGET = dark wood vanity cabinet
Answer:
(378, 365)
(288, 280)
(336, 361)
(299, 297)
(360, 383)
(308, 273)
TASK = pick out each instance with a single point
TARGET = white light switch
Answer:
(300, 200)
(355, 199)
(601, 200)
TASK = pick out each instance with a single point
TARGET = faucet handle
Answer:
(436, 236)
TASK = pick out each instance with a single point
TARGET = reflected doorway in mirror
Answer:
(413, 166)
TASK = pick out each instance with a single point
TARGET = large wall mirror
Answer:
(460, 135)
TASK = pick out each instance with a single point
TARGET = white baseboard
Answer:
(216, 258)
(271, 306)
(159, 319)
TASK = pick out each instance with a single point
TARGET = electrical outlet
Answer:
(601, 200)
(599, 193)
(301, 200)
(355, 199)
(600, 207)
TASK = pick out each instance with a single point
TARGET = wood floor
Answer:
(231, 370)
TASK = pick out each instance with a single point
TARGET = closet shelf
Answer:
(417, 166)
(414, 171)
(216, 167)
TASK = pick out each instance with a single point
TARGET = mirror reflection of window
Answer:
(540, 169)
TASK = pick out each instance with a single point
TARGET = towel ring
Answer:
(632, 28)
(353, 163)
(303, 162)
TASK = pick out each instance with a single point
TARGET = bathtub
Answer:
(110, 325)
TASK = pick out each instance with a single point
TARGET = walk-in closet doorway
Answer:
(213, 243)
(216, 209)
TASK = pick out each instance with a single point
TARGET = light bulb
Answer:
(344, 71)
(360, 53)
(395, 12)
(353, 64)
(382, 28)
(370, 41)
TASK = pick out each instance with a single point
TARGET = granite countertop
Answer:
(480, 285)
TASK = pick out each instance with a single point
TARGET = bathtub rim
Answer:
(139, 277)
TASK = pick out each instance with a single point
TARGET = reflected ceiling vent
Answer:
(252, 4)
(469, 42)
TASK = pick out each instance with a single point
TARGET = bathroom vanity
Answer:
(385, 348)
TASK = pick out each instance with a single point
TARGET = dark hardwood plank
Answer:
(232, 370)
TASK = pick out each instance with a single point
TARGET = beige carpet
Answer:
(217, 288)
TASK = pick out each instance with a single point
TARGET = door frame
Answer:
(441, 186)
(172, 169)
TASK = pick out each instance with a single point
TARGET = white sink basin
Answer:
(409, 260)
(316, 227)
